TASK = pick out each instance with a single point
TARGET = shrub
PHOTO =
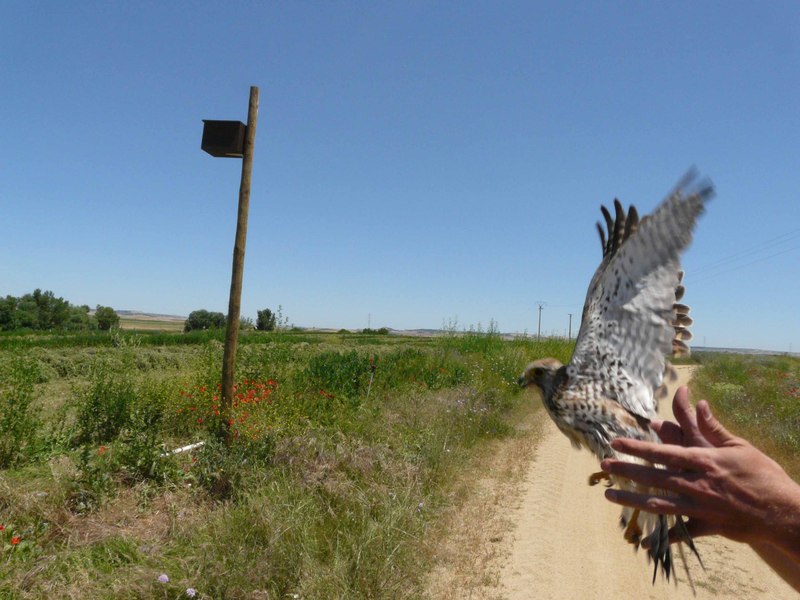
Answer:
(104, 407)
(94, 481)
(220, 469)
(345, 373)
(18, 419)
(141, 450)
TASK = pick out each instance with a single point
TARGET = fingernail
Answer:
(705, 411)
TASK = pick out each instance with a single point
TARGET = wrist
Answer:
(783, 526)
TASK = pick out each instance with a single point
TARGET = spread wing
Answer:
(630, 318)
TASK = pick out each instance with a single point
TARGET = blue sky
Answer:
(416, 162)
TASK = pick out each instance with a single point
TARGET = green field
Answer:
(149, 324)
(331, 489)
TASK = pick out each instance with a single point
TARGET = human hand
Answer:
(720, 481)
(686, 431)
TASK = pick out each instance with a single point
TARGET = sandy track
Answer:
(531, 527)
(565, 541)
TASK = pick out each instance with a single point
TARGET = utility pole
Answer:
(224, 138)
(569, 336)
(539, 328)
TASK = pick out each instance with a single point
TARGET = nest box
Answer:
(223, 138)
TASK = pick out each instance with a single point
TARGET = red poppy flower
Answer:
(15, 540)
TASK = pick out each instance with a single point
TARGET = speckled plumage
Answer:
(631, 320)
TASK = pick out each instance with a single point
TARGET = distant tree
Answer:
(27, 313)
(197, 319)
(8, 317)
(42, 311)
(381, 331)
(79, 319)
(203, 319)
(266, 320)
(106, 317)
(52, 312)
(246, 323)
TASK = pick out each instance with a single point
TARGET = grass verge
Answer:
(757, 397)
(333, 488)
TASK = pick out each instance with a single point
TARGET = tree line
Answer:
(43, 311)
(203, 319)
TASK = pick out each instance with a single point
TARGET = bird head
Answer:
(540, 374)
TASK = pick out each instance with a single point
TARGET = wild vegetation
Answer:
(757, 397)
(334, 482)
(336, 474)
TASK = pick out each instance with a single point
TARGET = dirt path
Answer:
(553, 536)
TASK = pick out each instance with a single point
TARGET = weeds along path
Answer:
(553, 536)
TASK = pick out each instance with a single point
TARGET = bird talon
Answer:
(595, 478)
(633, 533)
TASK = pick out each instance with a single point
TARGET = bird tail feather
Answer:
(655, 530)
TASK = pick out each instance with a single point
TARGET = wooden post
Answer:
(235, 301)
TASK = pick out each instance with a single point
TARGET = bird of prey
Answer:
(631, 320)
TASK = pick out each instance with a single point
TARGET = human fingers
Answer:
(685, 416)
(665, 505)
(671, 456)
(669, 432)
(710, 428)
(678, 482)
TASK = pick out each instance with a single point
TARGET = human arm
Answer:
(721, 482)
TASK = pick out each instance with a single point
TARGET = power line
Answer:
(747, 264)
(749, 251)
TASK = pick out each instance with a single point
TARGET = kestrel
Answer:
(631, 320)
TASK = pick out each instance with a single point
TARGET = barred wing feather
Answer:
(630, 322)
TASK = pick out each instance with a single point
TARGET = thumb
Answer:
(712, 429)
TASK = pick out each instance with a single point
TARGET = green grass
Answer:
(757, 397)
(330, 489)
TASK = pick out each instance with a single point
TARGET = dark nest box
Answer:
(223, 138)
